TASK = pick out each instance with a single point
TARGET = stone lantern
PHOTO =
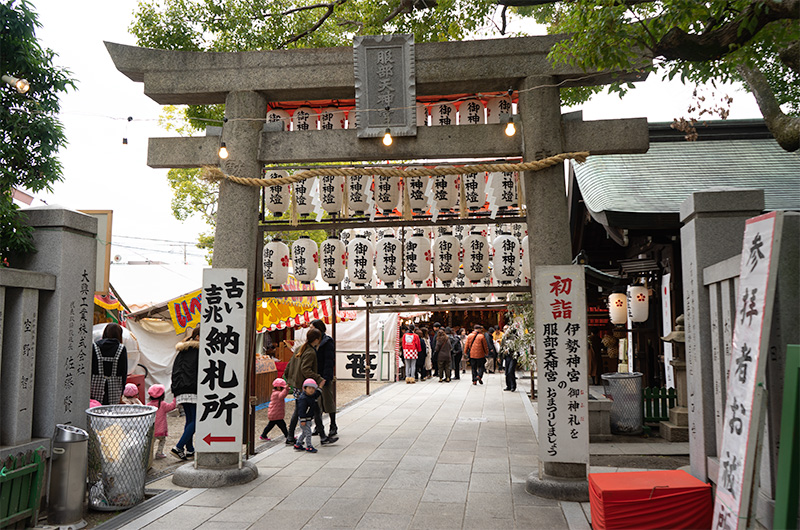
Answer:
(677, 428)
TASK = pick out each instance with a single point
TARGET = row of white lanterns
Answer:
(471, 111)
(362, 260)
(499, 189)
(633, 305)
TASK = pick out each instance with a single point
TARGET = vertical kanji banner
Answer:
(561, 336)
(743, 403)
(221, 374)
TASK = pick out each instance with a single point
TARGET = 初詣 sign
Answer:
(561, 336)
(221, 375)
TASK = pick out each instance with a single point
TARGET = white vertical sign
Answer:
(666, 319)
(743, 405)
(561, 336)
(221, 374)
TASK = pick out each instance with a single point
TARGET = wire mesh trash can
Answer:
(67, 475)
(119, 447)
(625, 393)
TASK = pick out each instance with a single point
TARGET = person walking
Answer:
(301, 367)
(462, 336)
(476, 349)
(109, 367)
(184, 388)
(455, 352)
(510, 359)
(434, 356)
(130, 396)
(307, 409)
(411, 348)
(276, 412)
(491, 357)
(326, 364)
(443, 355)
(161, 428)
(424, 343)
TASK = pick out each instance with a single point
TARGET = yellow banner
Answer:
(274, 310)
(185, 311)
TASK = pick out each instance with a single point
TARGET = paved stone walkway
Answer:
(427, 455)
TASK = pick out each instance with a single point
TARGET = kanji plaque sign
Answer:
(385, 85)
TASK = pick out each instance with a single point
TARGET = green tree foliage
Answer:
(754, 41)
(31, 133)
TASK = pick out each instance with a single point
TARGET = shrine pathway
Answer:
(427, 455)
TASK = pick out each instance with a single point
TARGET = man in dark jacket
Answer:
(326, 364)
(455, 352)
(434, 354)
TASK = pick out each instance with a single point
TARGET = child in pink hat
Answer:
(277, 409)
(156, 393)
(130, 396)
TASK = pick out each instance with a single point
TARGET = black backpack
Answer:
(455, 345)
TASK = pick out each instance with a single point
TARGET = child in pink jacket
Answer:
(156, 393)
(277, 409)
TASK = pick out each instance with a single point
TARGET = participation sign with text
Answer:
(561, 336)
(743, 404)
(221, 374)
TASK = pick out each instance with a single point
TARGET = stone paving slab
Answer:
(410, 456)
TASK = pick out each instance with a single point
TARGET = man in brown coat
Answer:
(477, 349)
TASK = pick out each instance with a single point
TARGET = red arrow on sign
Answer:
(208, 439)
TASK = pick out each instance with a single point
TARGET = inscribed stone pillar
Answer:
(713, 224)
(235, 239)
(546, 199)
(66, 247)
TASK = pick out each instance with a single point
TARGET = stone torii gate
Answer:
(246, 81)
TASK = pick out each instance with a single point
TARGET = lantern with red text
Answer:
(506, 262)
(360, 259)
(277, 197)
(276, 263)
(638, 303)
(418, 258)
(357, 189)
(332, 261)
(476, 256)
(331, 193)
(388, 259)
(305, 259)
(387, 193)
(474, 189)
(446, 250)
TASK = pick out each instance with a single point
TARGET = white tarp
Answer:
(157, 345)
(351, 339)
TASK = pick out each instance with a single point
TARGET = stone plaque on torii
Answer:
(247, 81)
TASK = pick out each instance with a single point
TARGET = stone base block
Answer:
(600, 438)
(562, 489)
(679, 416)
(188, 476)
(673, 433)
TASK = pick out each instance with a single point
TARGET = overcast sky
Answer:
(101, 173)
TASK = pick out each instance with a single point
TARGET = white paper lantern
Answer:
(332, 261)
(388, 259)
(387, 193)
(305, 259)
(357, 189)
(279, 116)
(506, 262)
(422, 115)
(495, 107)
(526, 261)
(349, 294)
(405, 299)
(277, 197)
(504, 189)
(470, 112)
(417, 200)
(462, 282)
(476, 256)
(304, 119)
(618, 308)
(331, 193)
(638, 303)
(360, 259)
(418, 258)
(474, 190)
(303, 196)
(446, 252)
(331, 118)
(445, 191)
(276, 263)
(443, 114)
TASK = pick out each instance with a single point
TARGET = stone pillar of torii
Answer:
(247, 81)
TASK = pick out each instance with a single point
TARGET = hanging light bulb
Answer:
(387, 138)
(21, 85)
(223, 151)
(511, 130)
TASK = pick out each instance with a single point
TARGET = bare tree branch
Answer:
(405, 6)
(785, 129)
(328, 12)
